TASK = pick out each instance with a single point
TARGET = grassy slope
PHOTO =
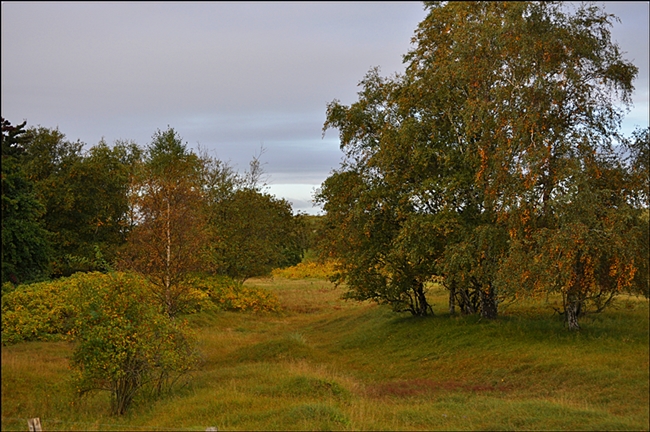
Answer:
(329, 364)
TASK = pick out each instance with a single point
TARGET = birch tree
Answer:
(168, 234)
(502, 128)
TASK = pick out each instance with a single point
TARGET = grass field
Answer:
(325, 364)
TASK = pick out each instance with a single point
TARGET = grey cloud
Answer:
(227, 75)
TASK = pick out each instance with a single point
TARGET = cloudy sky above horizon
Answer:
(230, 77)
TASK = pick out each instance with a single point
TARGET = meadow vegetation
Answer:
(487, 191)
(124, 342)
(323, 363)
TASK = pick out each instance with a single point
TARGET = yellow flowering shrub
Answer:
(306, 270)
(228, 294)
(40, 311)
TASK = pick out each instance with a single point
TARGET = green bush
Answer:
(125, 342)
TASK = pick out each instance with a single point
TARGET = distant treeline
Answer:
(164, 211)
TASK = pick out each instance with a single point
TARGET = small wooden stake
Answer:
(34, 425)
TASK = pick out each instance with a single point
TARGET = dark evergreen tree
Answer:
(25, 243)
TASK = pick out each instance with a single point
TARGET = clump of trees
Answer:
(80, 203)
(493, 165)
(161, 224)
(164, 211)
(254, 233)
(190, 213)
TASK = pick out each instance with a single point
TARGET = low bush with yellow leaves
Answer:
(41, 311)
(46, 311)
(228, 294)
(306, 270)
(124, 341)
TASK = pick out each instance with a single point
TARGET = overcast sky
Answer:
(231, 77)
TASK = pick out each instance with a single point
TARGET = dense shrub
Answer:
(305, 270)
(47, 311)
(40, 311)
(125, 342)
(228, 294)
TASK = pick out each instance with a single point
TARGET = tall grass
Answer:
(322, 363)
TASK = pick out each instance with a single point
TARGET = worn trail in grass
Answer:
(324, 363)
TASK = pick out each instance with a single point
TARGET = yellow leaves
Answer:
(622, 273)
(305, 270)
(235, 297)
(484, 161)
(614, 267)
